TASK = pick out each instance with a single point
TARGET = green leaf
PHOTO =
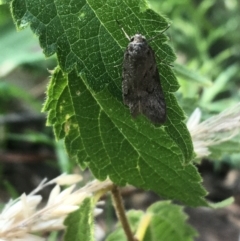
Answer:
(84, 96)
(167, 223)
(101, 135)
(223, 204)
(80, 223)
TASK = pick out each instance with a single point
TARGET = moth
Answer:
(141, 87)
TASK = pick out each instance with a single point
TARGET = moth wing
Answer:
(130, 97)
(153, 104)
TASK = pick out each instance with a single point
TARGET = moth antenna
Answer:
(126, 35)
(159, 33)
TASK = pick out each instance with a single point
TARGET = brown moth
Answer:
(141, 86)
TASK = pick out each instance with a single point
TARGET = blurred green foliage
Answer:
(205, 35)
(23, 78)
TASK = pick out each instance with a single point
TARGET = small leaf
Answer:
(80, 223)
(168, 223)
(223, 204)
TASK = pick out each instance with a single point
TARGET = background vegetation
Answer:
(205, 35)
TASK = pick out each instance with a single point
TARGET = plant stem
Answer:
(120, 211)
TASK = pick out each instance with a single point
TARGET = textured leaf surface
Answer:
(84, 96)
(100, 133)
(167, 223)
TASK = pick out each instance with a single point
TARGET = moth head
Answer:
(138, 45)
(138, 38)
